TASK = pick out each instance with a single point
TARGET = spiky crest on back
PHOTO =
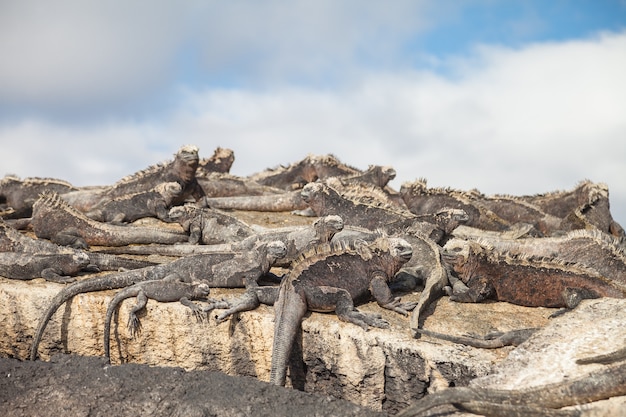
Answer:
(321, 251)
(52, 202)
(368, 195)
(34, 181)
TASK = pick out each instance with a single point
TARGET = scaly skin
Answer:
(489, 341)
(53, 217)
(166, 290)
(330, 279)
(56, 267)
(226, 269)
(20, 194)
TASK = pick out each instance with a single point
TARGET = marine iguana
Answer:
(297, 241)
(13, 241)
(332, 277)
(54, 267)
(20, 194)
(220, 162)
(311, 168)
(524, 280)
(542, 400)
(295, 238)
(155, 202)
(491, 340)
(287, 201)
(182, 169)
(209, 226)
(221, 269)
(166, 290)
(53, 216)
(421, 199)
(592, 248)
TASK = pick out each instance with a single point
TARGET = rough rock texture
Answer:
(383, 369)
(87, 386)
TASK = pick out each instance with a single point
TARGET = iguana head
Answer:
(186, 162)
(169, 190)
(400, 249)
(275, 250)
(201, 289)
(326, 227)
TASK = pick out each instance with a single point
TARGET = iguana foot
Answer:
(364, 320)
(400, 307)
(134, 325)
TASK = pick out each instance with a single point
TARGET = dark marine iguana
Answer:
(53, 216)
(155, 202)
(221, 269)
(20, 194)
(592, 248)
(13, 241)
(309, 169)
(523, 280)
(220, 162)
(166, 290)
(182, 169)
(331, 278)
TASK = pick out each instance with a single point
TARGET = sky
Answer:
(504, 96)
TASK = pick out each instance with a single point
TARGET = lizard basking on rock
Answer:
(166, 290)
(220, 269)
(543, 400)
(209, 226)
(54, 267)
(220, 162)
(182, 169)
(20, 194)
(155, 202)
(332, 277)
(310, 169)
(13, 241)
(53, 216)
(523, 280)
(491, 340)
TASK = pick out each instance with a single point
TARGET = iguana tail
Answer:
(107, 282)
(273, 202)
(289, 311)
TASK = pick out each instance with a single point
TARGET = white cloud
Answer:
(523, 121)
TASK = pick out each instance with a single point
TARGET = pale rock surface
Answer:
(383, 369)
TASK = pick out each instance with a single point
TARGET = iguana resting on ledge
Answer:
(166, 290)
(155, 202)
(311, 168)
(295, 238)
(55, 267)
(523, 280)
(543, 400)
(222, 269)
(52, 217)
(492, 340)
(181, 170)
(331, 278)
(20, 194)
(13, 241)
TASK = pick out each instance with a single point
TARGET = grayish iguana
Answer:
(222, 269)
(155, 202)
(19, 195)
(13, 241)
(331, 278)
(55, 267)
(166, 290)
(53, 218)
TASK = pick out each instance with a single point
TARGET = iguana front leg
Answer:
(324, 298)
(198, 312)
(55, 275)
(382, 294)
(134, 325)
(251, 299)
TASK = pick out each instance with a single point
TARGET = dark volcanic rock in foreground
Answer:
(80, 386)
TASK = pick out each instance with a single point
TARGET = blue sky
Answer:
(517, 97)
